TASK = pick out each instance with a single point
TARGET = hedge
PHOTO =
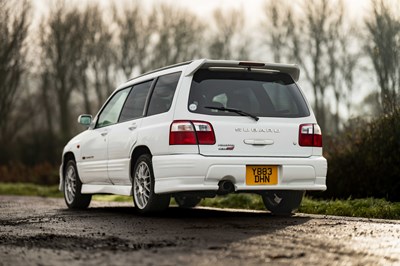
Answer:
(364, 160)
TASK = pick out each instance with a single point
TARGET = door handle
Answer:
(104, 134)
(132, 127)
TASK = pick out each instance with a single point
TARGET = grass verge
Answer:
(29, 189)
(368, 208)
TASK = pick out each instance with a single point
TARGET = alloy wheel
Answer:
(70, 184)
(142, 185)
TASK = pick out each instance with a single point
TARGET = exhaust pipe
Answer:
(225, 187)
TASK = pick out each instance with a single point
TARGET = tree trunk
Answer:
(49, 116)
(63, 103)
(85, 93)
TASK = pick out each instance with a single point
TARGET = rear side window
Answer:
(135, 102)
(163, 94)
(261, 94)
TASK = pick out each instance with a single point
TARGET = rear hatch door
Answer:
(253, 113)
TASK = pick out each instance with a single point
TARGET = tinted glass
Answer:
(261, 94)
(135, 102)
(163, 94)
(111, 111)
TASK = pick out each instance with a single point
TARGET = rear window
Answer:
(261, 94)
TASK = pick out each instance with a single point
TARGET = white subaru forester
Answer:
(199, 129)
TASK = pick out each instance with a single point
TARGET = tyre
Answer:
(282, 202)
(72, 188)
(187, 201)
(144, 198)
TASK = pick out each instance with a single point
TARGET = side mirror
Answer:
(85, 120)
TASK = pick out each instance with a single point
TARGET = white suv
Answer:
(199, 129)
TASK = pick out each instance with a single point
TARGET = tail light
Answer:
(310, 135)
(191, 133)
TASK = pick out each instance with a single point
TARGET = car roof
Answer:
(194, 65)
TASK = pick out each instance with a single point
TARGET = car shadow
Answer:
(177, 219)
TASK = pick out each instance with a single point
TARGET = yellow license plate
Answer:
(261, 175)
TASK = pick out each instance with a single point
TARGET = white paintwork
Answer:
(233, 130)
(107, 189)
(176, 173)
(121, 138)
(92, 165)
(178, 168)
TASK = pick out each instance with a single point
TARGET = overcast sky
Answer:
(253, 10)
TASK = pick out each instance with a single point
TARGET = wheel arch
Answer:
(137, 152)
(67, 156)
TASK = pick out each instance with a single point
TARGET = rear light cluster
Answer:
(310, 135)
(185, 132)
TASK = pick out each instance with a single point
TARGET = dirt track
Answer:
(40, 231)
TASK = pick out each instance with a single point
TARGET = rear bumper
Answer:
(184, 173)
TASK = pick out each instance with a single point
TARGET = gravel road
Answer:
(41, 231)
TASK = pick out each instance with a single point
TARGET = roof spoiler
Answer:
(291, 69)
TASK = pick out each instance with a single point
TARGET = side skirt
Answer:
(108, 189)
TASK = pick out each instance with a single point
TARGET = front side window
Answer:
(135, 102)
(163, 94)
(110, 114)
(258, 93)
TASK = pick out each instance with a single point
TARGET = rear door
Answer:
(123, 136)
(273, 99)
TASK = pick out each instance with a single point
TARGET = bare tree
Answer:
(134, 31)
(177, 38)
(100, 56)
(315, 38)
(47, 97)
(14, 24)
(61, 41)
(342, 62)
(317, 21)
(383, 48)
(228, 40)
(371, 105)
(348, 63)
(275, 27)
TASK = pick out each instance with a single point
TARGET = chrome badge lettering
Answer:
(257, 130)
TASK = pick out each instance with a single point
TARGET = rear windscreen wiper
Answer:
(233, 110)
